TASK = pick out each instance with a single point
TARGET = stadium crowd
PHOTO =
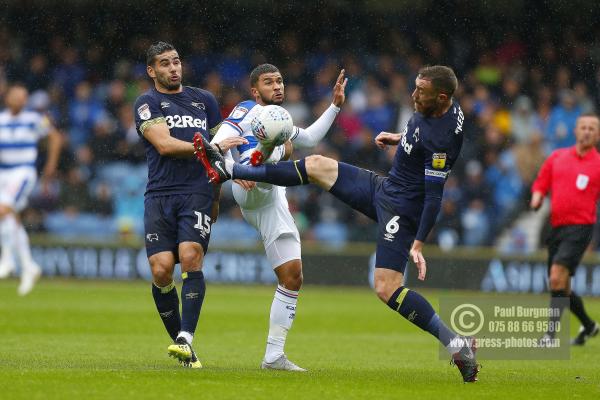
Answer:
(520, 101)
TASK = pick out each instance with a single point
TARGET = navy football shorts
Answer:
(172, 219)
(364, 191)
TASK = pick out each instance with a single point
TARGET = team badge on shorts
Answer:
(438, 160)
(582, 181)
(144, 111)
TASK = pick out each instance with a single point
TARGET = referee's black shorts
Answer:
(567, 244)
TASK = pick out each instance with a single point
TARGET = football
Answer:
(272, 126)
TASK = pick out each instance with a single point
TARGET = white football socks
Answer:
(8, 228)
(23, 250)
(187, 336)
(283, 311)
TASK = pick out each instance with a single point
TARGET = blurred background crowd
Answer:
(524, 79)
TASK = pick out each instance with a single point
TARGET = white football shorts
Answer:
(266, 208)
(16, 184)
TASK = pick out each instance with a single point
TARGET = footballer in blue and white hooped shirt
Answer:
(265, 206)
(20, 131)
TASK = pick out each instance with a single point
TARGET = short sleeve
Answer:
(237, 117)
(147, 112)
(213, 113)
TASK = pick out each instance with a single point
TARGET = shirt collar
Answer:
(592, 153)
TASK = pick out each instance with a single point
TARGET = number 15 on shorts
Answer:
(203, 223)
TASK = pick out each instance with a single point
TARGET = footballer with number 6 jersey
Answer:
(180, 205)
(265, 207)
(405, 204)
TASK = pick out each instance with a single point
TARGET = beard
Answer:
(167, 83)
(426, 110)
(271, 101)
(276, 102)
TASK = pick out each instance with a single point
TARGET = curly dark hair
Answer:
(261, 69)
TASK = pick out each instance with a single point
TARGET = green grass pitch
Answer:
(103, 340)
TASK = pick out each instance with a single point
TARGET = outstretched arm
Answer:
(166, 145)
(385, 138)
(312, 135)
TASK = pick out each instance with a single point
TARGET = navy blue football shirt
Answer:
(185, 113)
(427, 151)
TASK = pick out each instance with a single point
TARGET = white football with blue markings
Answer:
(273, 125)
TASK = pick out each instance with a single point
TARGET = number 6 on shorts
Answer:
(392, 226)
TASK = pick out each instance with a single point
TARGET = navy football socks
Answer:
(192, 296)
(415, 308)
(167, 304)
(284, 173)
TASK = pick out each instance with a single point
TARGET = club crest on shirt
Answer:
(438, 160)
(238, 112)
(416, 134)
(582, 181)
(199, 106)
(144, 111)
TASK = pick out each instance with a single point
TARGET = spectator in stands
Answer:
(37, 78)
(103, 143)
(296, 106)
(378, 115)
(561, 123)
(103, 201)
(448, 228)
(84, 112)
(74, 194)
(475, 224)
(69, 72)
(529, 157)
(525, 123)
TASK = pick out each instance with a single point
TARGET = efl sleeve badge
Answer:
(438, 160)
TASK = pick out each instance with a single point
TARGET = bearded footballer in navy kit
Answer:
(180, 205)
(405, 204)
